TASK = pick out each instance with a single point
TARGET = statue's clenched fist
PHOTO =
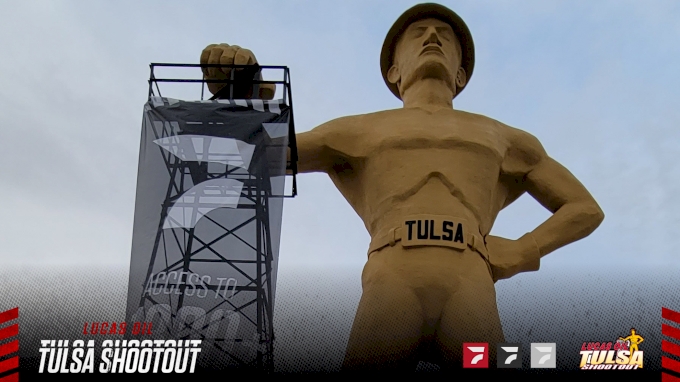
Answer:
(225, 54)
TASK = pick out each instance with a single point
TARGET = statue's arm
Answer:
(312, 152)
(576, 214)
(318, 149)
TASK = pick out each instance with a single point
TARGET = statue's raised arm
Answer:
(314, 154)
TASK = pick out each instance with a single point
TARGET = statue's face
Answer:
(428, 48)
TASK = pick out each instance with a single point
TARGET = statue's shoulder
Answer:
(372, 118)
(355, 124)
(349, 135)
(515, 137)
(522, 141)
(523, 149)
(486, 121)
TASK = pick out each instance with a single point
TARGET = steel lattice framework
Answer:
(182, 250)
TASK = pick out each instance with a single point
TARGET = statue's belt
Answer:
(432, 230)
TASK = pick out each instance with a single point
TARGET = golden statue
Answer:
(428, 182)
(634, 340)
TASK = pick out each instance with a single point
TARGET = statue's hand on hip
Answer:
(225, 54)
(509, 257)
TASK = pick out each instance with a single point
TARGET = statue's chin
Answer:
(430, 69)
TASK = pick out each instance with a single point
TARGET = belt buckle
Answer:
(435, 230)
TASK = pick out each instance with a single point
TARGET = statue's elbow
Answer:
(594, 215)
(599, 215)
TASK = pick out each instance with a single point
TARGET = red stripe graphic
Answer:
(10, 378)
(669, 378)
(9, 364)
(9, 331)
(670, 315)
(9, 348)
(670, 347)
(9, 315)
(670, 331)
(670, 364)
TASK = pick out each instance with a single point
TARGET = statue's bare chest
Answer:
(427, 139)
(420, 158)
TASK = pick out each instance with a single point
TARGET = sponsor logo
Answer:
(670, 331)
(509, 356)
(9, 358)
(476, 355)
(543, 355)
(623, 354)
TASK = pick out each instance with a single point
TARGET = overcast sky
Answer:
(597, 82)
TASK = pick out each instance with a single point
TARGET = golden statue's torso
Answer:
(409, 161)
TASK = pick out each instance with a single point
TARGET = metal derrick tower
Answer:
(205, 245)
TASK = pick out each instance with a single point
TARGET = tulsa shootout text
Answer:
(134, 356)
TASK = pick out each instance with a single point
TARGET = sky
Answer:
(596, 82)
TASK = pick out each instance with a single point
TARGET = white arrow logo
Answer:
(478, 357)
(546, 357)
(510, 349)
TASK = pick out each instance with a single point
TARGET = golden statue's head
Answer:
(427, 41)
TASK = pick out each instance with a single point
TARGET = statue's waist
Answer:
(431, 230)
(385, 219)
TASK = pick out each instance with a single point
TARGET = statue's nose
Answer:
(432, 38)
